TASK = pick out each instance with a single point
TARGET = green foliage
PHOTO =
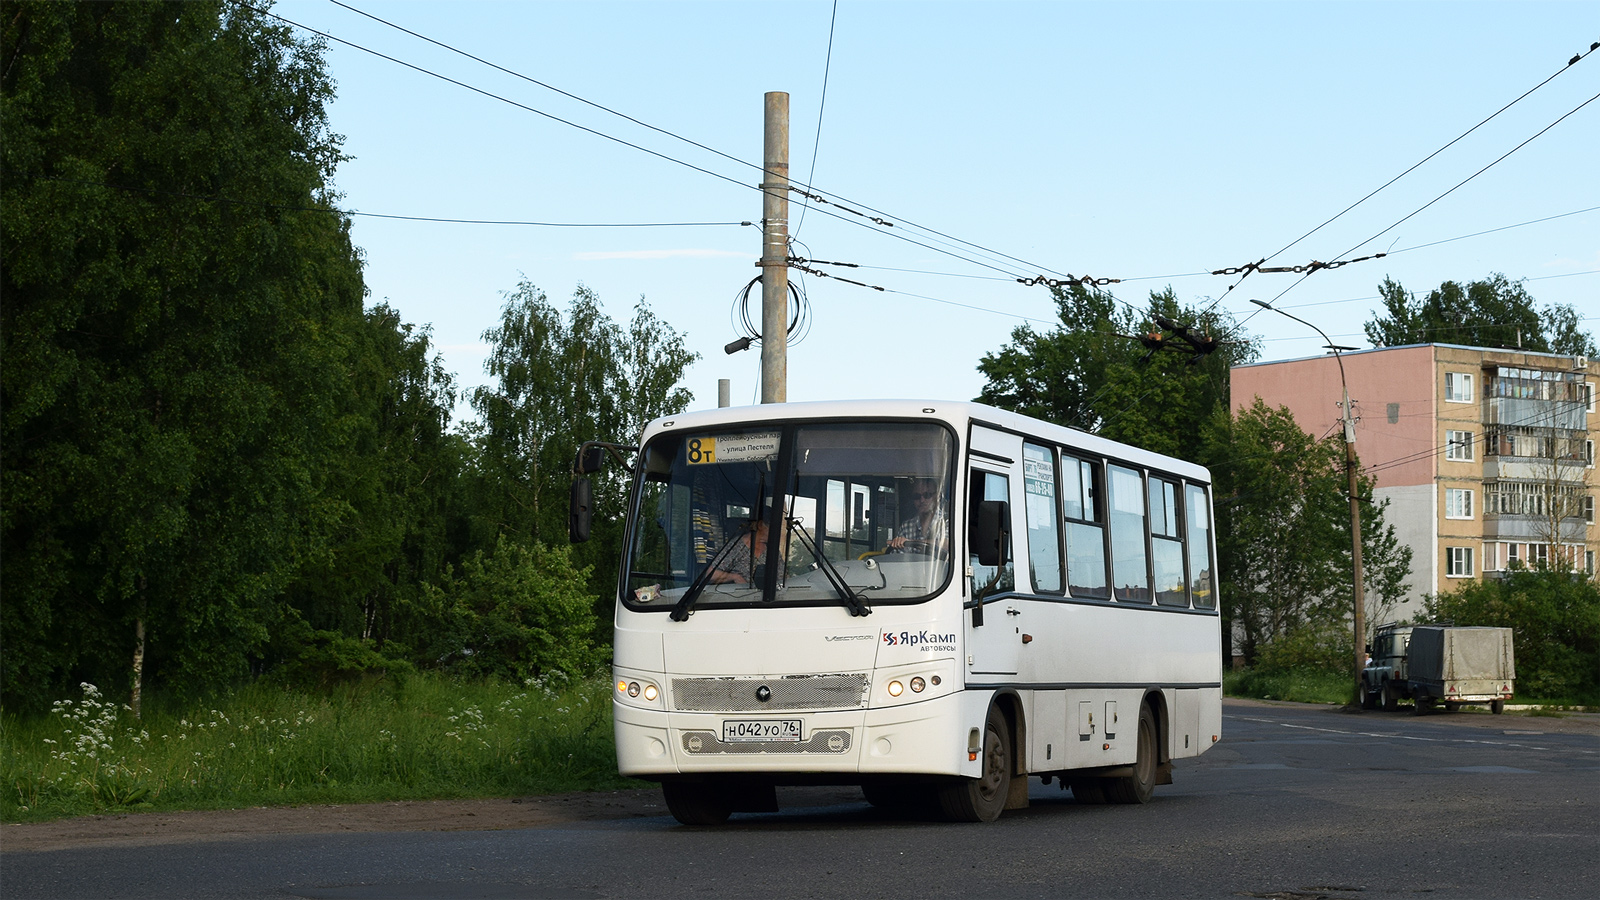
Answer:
(320, 660)
(563, 380)
(171, 364)
(1272, 480)
(1493, 312)
(521, 612)
(1092, 373)
(1555, 617)
(1312, 646)
(1297, 686)
(265, 745)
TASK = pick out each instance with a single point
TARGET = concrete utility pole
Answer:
(775, 250)
(1357, 587)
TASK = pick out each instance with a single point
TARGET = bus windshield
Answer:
(861, 516)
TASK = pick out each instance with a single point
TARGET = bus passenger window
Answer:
(1044, 543)
(1129, 565)
(1197, 515)
(1166, 544)
(1086, 538)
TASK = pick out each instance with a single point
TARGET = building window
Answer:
(1588, 453)
(1457, 503)
(1458, 445)
(1539, 554)
(1512, 558)
(1588, 562)
(1458, 562)
(1588, 509)
(1491, 556)
(1588, 394)
(1458, 387)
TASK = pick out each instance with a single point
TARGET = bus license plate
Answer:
(735, 730)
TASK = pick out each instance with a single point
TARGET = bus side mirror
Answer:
(990, 533)
(591, 459)
(579, 516)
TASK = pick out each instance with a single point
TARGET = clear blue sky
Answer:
(1144, 141)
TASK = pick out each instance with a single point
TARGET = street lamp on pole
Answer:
(1357, 598)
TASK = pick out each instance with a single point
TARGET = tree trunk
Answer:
(138, 653)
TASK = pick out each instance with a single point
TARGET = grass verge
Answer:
(1298, 685)
(427, 738)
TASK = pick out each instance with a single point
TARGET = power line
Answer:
(1486, 168)
(1246, 271)
(213, 198)
(822, 106)
(804, 188)
(1430, 156)
(586, 129)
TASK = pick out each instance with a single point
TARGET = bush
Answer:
(1311, 648)
(523, 612)
(1555, 620)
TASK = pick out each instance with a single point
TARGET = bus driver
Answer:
(928, 528)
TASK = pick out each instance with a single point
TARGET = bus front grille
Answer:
(789, 692)
(707, 742)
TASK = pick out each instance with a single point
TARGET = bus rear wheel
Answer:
(982, 799)
(1141, 785)
(697, 802)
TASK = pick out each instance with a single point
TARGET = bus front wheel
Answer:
(982, 799)
(697, 802)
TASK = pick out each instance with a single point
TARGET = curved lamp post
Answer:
(1357, 600)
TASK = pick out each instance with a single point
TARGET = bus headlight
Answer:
(633, 689)
(896, 688)
(650, 692)
(917, 685)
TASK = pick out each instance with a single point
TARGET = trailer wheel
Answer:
(1497, 706)
(1423, 707)
(1138, 787)
(982, 799)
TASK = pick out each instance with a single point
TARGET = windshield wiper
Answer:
(852, 601)
(685, 604)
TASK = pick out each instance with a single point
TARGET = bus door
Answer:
(994, 612)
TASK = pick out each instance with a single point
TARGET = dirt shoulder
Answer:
(143, 829)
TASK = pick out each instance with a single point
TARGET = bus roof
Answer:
(955, 412)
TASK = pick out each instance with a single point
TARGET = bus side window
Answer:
(1129, 563)
(1085, 530)
(1044, 541)
(988, 579)
(1166, 544)
(1197, 515)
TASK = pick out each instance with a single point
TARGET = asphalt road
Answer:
(1296, 802)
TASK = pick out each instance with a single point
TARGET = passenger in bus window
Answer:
(737, 566)
(927, 530)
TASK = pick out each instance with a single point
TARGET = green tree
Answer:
(1091, 372)
(563, 380)
(1555, 619)
(1493, 312)
(401, 513)
(1283, 540)
(173, 340)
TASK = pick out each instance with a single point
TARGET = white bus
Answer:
(933, 600)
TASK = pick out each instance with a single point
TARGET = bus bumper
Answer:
(926, 738)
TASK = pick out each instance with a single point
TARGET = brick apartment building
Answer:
(1486, 456)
